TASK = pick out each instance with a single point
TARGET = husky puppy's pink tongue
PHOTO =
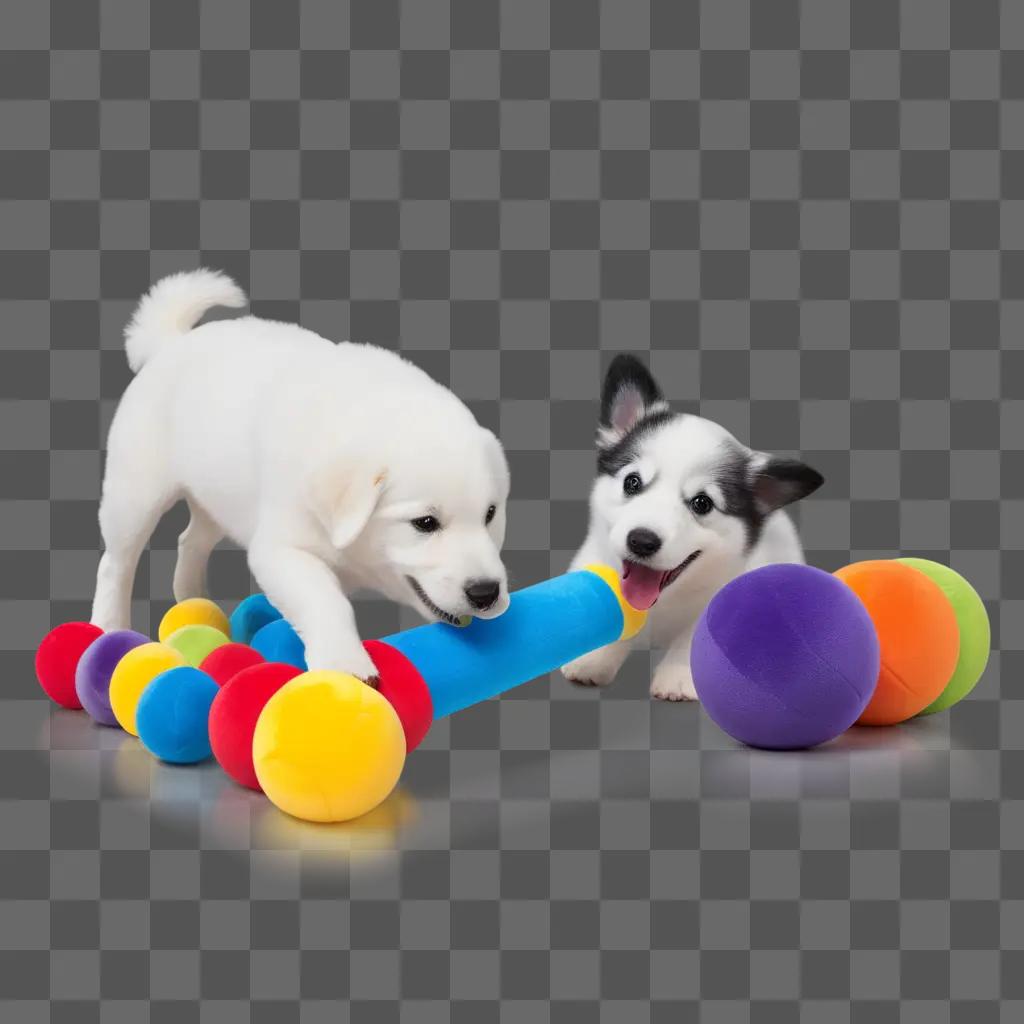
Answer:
(641, 585)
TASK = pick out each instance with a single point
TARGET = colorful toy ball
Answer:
(196, 642)
(57, 659)
(975, 631)
(404, 689)
(195, 611)
(917, 634)
(251, 616)
(327, 747)
(226, 661)
(172, 715)
(277, 641)
(784, 657)
(96, 666)
(134, 672)
(234, 714)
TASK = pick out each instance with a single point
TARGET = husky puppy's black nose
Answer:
(642, 542)
(481, 594)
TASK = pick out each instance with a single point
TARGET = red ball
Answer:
(404, 688)
(57, 660)
(234, 712)
(226, 661)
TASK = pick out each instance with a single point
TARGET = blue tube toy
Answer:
(544, 627)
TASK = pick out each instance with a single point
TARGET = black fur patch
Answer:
(732, 474)
(627, 373)
(782, 481)
(753, 497)
(614, 457)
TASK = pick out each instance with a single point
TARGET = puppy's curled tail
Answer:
(173, 306)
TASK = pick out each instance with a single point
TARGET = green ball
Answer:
(975, 631)
(195, 642)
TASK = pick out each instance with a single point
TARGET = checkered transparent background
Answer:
(808, 216)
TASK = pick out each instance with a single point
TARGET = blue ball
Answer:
(277, 641)
(250, 617)
(173, 715)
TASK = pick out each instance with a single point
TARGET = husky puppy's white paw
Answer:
(673, 682)
(594, 669)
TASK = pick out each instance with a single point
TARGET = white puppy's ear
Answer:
(346, 498)
(776, 481)
(630, 394)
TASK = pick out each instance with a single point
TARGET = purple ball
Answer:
(96, 666)
(785, 657)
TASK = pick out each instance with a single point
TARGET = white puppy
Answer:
(335, 466)
(683, 508)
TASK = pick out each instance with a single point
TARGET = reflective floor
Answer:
(528, 789)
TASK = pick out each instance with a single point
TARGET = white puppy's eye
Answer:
(426, 524)
(632, 484)
(701, 504)
(491, 512)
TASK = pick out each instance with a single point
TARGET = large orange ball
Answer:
(917, 633)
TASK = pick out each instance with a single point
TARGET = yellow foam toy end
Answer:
(633, 619)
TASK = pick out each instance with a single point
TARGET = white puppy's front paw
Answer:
(594, 669)
(352, 661)
(673, 682)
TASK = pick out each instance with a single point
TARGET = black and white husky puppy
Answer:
(681, 507)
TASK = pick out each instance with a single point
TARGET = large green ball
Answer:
(975, 631)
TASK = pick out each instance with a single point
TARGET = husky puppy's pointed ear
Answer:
(776, 481)
(629, 395)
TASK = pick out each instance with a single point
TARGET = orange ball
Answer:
(917, 633)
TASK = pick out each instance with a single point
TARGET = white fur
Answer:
(675, 462)
(313, 456)
(173, 306)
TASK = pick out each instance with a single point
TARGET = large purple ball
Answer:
(96, 666)
(785, 657)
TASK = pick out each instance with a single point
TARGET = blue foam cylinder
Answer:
(250, 617)
(545, 626)
(277, 641)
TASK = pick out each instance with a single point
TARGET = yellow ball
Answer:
(196, 611)
(195, 642)
(327, 747)
(133, 673)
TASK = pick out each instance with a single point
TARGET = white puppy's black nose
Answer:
(643, 542)
(481, 594)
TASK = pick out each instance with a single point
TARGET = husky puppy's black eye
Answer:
(701, 504)
(491, 511)
(426, 524)
(632, 484)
